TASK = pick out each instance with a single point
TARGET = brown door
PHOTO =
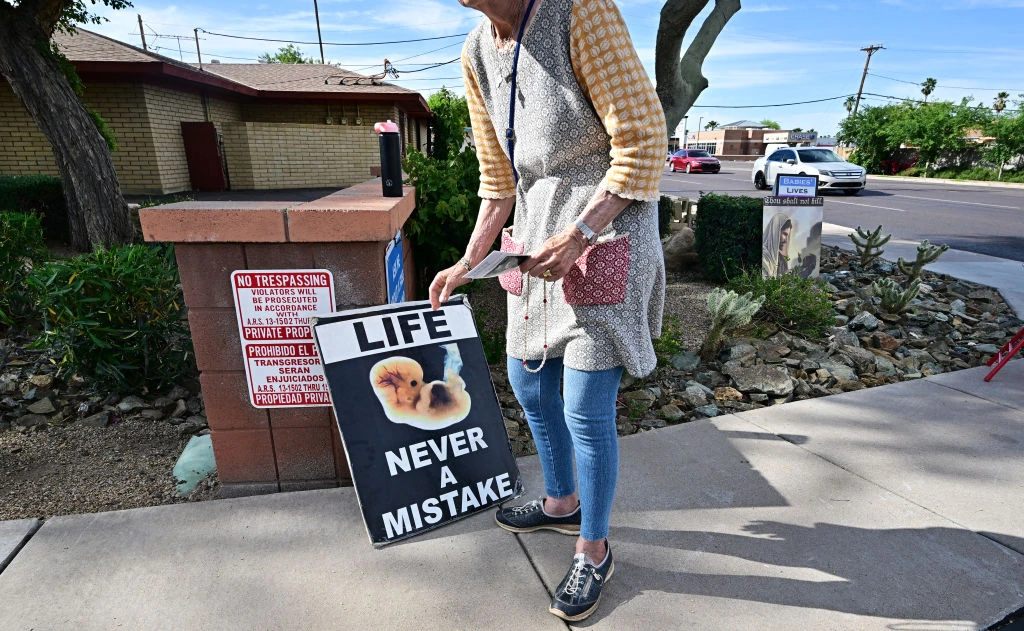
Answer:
(205, 166)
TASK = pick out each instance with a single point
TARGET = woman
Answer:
(775, 246)
(586, 160)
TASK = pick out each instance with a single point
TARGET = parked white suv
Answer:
(833, 172)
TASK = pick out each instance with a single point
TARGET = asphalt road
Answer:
(976, 219)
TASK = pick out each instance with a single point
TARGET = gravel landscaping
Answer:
(67, 449)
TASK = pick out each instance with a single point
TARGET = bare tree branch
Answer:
(680, 80)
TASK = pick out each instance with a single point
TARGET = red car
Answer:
(694, 161)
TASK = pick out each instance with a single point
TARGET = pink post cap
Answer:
(384, 128)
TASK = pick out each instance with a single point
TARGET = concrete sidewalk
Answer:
(889, 508)
(1004, 275)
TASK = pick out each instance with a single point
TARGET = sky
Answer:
(772, 52)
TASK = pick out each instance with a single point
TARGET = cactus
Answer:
(728, 311)
(926, 253)
(894, 298)
(869, 245)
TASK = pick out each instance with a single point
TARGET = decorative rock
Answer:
(653, 423)
(511, 428)
(738, 352)
(772, 380)
(41, 381)
(178, 392)
(639, 395)
(863, 359)
(728, 394)
(885, 367)
(131, 404)
(152, 414)
(180, 409)
(839, 371)
(695, 384)
(843, 336)
(30, 420)
(671, 413)
(757, 397)
(687, 361)
(680, 249)
(44, 406)
(984, 349)
(885, 342)
(958, 306)
(164, 404)
(101, 419)
(864, 321)
(627, 381)
(708, 410)
(710, 378)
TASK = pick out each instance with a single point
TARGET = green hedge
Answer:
(21, 249)
(728, 234)
(39, 194)
(115, 315)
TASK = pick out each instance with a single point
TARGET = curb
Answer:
(931, 180)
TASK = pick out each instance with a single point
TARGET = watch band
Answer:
(587, 232)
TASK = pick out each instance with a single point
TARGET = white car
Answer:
(833, 172)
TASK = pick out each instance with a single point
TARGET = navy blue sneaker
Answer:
(579, 592)
(531, 517)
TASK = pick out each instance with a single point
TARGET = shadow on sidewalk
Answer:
(844, 568)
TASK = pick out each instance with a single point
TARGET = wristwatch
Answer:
(587, 232)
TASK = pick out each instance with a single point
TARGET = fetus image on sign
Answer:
(398, 384)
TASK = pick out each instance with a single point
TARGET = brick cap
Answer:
(357, 213)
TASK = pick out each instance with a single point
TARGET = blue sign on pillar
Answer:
(395, 263)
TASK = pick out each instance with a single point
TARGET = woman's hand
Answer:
(445, 283)
(557, 255)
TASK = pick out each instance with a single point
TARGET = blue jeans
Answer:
(584, 422)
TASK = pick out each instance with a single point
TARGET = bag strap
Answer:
(510, 131)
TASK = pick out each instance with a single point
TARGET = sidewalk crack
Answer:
(536, 570)
(4, 563)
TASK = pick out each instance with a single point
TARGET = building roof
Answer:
(98, 56)
(743, 124)
(301, 78)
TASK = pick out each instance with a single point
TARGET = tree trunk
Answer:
(97, 213)
(680, 80)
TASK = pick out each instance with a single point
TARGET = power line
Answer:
(943, 85)
(741, 107)
(289, 41)
(415, 56)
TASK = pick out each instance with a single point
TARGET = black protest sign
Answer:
(419, 418)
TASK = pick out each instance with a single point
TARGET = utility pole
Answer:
(870, 50)
(320, 39)
(142, 33)
(195, 32)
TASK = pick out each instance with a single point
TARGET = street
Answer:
(970, 218)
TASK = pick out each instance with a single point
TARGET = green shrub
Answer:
(115, 316)
(791, 302)
(446, 210)
(666, 211)
(728, 233)
(39, 194)
(21, 248)
(670, 343)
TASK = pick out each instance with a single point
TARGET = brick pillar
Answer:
(260, 450)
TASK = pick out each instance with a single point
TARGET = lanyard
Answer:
(510, 132)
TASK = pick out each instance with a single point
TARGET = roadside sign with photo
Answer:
(419, 418)
(791, 240)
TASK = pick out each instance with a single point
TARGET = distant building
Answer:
(237, 126)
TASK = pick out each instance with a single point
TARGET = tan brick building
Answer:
(247, 126)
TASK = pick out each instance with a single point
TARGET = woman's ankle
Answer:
(560, 506)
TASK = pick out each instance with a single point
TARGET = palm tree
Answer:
(714, 124)
(1000, 103)
(849, 104)
(928, 87)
